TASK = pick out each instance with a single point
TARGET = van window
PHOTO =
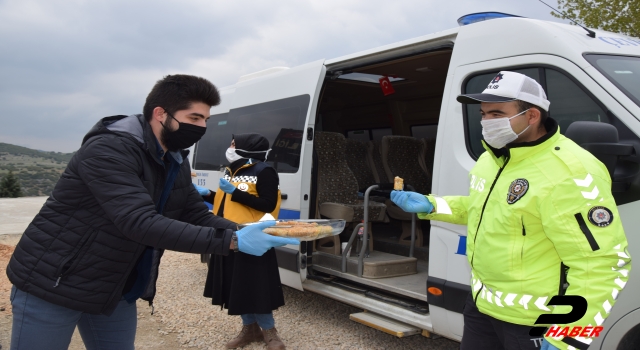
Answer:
(358, 135)
(210, 150)
(569, 103)
(623, 71)
(424, 131)
(281, 122)
(369, 134)
(378, 134)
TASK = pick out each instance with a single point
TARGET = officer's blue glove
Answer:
(227, 187)
(252, 240)
(411, 202)
(547, 346)
(202, 190)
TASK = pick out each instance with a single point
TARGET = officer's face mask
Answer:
(185, 136)
(498, 132)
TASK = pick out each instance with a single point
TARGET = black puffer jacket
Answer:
(79, 250)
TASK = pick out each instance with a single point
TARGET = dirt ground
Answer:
(5, 286)
(151, 333)
(184, 319)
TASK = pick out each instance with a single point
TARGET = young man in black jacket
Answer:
(125, 196)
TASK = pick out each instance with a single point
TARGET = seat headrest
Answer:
(601, 139)
(592, 132)
(401, 157)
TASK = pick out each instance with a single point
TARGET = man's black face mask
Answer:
(184, 137)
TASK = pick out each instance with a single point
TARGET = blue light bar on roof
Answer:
(481, 16)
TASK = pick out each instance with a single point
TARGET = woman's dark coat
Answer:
(242, 283)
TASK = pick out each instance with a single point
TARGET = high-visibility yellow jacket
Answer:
(244, 179)
(531, 211)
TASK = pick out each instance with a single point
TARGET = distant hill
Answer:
(37, 171)
(13, 149)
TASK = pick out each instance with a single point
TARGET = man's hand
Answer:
(202, 190)
(227, 187)
(252, 240)
(411, 202)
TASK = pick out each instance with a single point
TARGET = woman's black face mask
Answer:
(184, 137)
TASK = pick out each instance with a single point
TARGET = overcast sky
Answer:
(64, 64)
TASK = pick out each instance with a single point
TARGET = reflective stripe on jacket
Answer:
(244, 179)
(536, 214)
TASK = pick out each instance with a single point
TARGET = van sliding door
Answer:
(281, 106)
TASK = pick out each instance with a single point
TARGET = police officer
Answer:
(541, 221)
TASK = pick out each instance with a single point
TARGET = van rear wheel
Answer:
(631, 339)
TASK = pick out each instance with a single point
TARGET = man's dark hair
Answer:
(523, 106)
(178, 92)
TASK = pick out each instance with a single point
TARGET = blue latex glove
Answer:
(252, 240)
(547, 346)
(202, 190)
(227, 187)
(411, 202)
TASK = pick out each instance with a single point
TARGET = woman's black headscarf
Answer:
(253, 146)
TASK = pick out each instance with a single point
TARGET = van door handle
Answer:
(310, 134)
(284, 196)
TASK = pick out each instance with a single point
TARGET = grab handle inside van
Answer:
(385, 186)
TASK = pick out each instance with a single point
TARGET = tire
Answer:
(631, 340)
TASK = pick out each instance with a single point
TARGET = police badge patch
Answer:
(517, 190)
(600, 216)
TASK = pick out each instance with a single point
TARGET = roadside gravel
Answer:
(307, 321)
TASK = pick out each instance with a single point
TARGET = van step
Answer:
(382, 265)
(362, 302)
(385, 324)
(376, 265)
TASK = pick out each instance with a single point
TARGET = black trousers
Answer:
(483, 332)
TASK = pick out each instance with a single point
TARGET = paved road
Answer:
(17, 213)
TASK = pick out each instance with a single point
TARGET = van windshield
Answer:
(623, 71)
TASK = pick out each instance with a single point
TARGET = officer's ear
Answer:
(534, 116)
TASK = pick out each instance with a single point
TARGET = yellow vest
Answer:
(530, 212)
(245, 179)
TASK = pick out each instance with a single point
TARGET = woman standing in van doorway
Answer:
(244, 284)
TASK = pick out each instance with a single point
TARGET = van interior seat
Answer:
(564, 124)
(602, 140)
(337, 186)
(359, 161)
(357, 157)
(402, 156)
(426, 162)
(375, 154)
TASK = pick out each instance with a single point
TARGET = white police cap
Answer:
(510, 86)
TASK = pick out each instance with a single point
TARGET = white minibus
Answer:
(337, 127)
